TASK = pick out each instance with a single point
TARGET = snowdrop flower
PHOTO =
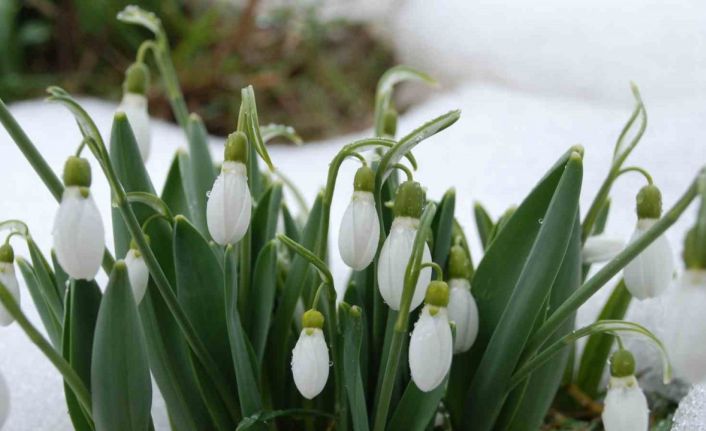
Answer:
(134, 105)
(601, 248)
(4, 401)
(397, 248)
(9, 280)
(310, 360)
(625, 403)
(462, 308)
(649, 274)
(229, 202)
(137, 272)
(431, 345)
(360, 229)
(79, 237)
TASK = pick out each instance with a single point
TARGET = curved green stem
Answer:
(151, 200)
(156, 216)
(144, 48)
(70, 377)
(637, 169)
(436, 267)
(405, 169)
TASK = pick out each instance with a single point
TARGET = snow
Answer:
(530, 82)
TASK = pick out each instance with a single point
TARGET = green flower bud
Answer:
(459, 266)
(7, 255)
(77, 172)
(313, 319)
(649, 202)
(364, 180)
(694, 253)
(622, 363)
(437, 294)
(410, 200)
(137, 79)
(236, 149)
(390, 122)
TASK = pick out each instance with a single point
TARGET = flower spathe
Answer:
(625, 406)
(229, 204)
(360, 231)
(685, 326)
(138, 274)
(134, 105)
(650, 273)
(79, 236)
(310, 358)
(394, 258)
(9, 280)
(463, 311)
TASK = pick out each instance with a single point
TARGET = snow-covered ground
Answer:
(517, 118)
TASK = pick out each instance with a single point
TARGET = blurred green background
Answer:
(316, 75)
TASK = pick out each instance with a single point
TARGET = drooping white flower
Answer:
(625, 405)
(393, 261)
(310, 358)
(79, 236)
(360, 229)
(685, 326)
(431, 344)
(463, 311)
(601, 248)
(650, 273)
(138, 273)
(4, 401)
(9, 280)
(134, 106)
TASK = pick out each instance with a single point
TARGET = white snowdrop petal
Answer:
(79, 236)
(360, 231)
(229, 205)
(430, 349)
(138, 274)
(9, 280)
(135, 108)
(310, 363)
(601, 248)
(4, 401)
(394, 257)
(625, 406)
(463, 311)
(685, 327)
(650, 273)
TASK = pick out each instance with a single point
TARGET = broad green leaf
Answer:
(291, 227)
(598, 347)
(442, 228)
(263, 298)
(46, 281)
(82, 304)
(495, 279)
(484, 224)
(417, 409)
(202, 173)
(244, 360)
(120, 376)
(264, 417)
(351, 321)
(52, 325)
(491, 380)
(173, 192)
(191, 192)
(265, 217)
(61, 277)
(387, 82)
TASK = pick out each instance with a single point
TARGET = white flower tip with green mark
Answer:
(601, 248)
(463, 311)
(9, 280)
(360, 231)
(625, 406)
(134, 106)
(430, 348)
(649, 274)
(138, 274)
(229, 204)
(393, 261)
(685, 325)
(310, 362)
(79, 236)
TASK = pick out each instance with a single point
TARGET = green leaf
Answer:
(46, 281)
(442, 228)
(598, 347)
(120, 376)
(291, 227)
(243, 357)
(263, 298)
(484, 224)
(82, 304)
(201, 175)
(417, 409)
(387, 82)
(252, 126)
(52, 325)
(173, 192)
(61, 277)
(191, 192)
(264, 220)
(352, 339)
(263, 417)
(504, 348)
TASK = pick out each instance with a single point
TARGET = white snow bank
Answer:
(500, 147)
